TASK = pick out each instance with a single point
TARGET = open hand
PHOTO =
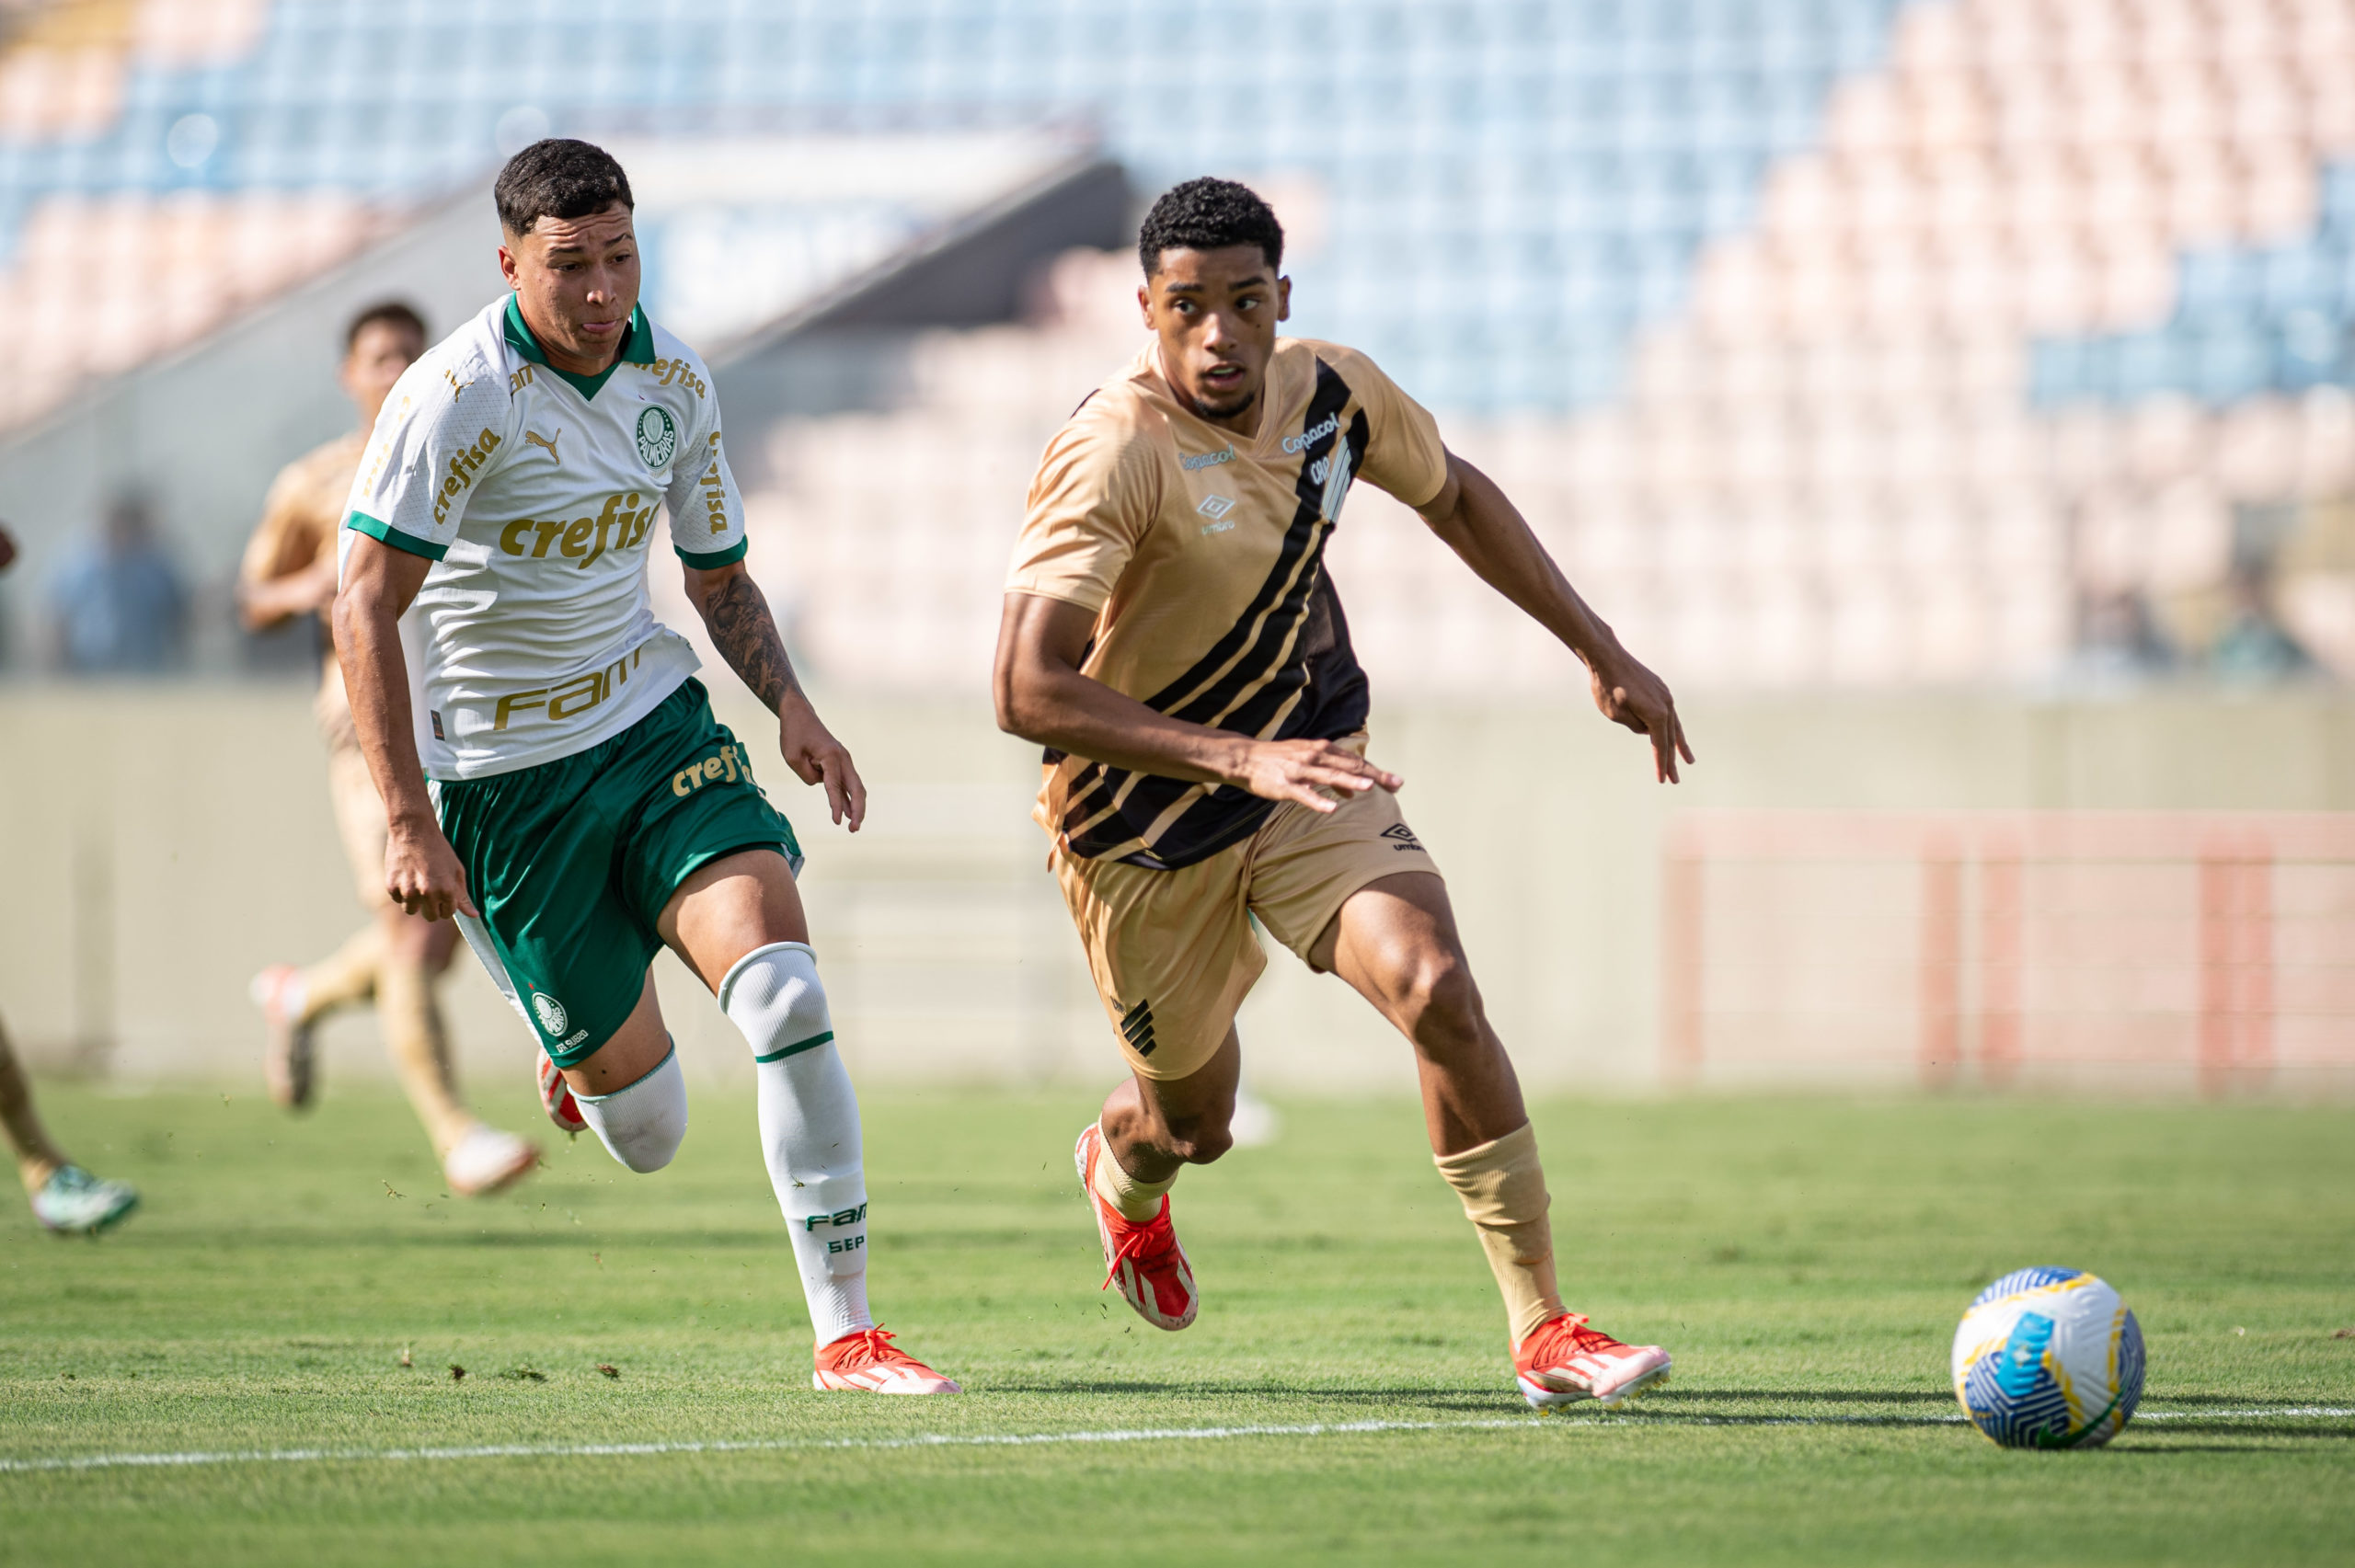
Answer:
(1302, 770)
(816, 757)
(1630, 694)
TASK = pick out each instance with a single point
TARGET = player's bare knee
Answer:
(1439, 1005)
(1200, 1139)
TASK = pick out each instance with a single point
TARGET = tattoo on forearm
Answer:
(746, 635)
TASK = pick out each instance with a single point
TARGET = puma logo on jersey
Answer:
(534, 437)
(457, 388)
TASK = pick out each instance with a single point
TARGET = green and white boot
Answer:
(74, 1203)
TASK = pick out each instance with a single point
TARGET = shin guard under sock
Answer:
(1503, 1189)
(810, 1132)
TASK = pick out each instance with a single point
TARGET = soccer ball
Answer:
(2049, 1359)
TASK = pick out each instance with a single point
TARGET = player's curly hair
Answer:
(558, 178)
(1206, 214)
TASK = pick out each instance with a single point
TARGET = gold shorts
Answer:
(1172, 952)
(359, 810)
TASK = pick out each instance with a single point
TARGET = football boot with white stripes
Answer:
(1564, 1361)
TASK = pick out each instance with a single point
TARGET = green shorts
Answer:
(572, 862)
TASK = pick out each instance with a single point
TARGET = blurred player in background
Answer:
(65, 1198)
(288, 570)
(1171, 637)
(585, 810)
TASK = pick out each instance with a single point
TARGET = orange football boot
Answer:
(867, 1360)
(1142, 1256)
(1562, 1361)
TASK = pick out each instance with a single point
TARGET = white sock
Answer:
(808, 1127)
(641, 1125)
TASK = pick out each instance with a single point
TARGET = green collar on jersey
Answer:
(637, 348)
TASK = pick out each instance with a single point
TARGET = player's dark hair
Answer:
(1209, 214)
(558, 178)
(392, 312)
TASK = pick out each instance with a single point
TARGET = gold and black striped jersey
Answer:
(1201, 554)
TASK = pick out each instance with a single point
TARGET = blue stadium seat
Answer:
(2214, 280)
(2339, 199)
(2303, 277)
(1640, 126)
(2312, 349)
(2231, 360)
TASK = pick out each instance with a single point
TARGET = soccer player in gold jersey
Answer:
(290, 570)
(1171, 637)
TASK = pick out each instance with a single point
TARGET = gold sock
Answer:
(345, 976)
(1503, 1189)
(411, 1024)
(1133, 1198)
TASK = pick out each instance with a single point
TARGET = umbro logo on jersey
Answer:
(534, 437)
(1207, 458)
(1402, 836)
(1215, 506)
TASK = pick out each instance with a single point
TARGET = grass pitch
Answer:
(303, 1285)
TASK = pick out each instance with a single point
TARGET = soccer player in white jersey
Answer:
(550, 767)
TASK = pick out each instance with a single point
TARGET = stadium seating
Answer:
(1823, 339)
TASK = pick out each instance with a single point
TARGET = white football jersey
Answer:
(533, 492)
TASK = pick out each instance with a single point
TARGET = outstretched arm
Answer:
(421, 871)
(1042, 696)
(1476, 521)
(737, 614)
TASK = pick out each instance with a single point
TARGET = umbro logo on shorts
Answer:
(1136, 1024)
(1402, 836)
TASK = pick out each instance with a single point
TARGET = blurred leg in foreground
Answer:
(65, 1196)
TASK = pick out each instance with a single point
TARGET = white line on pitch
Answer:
(1016, 1440)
